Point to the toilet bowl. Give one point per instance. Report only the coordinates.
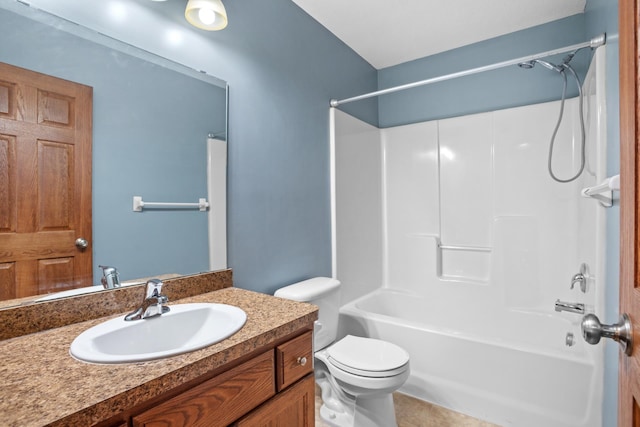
(368, 371)
(356, 374)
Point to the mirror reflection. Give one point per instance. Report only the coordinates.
(151, 121)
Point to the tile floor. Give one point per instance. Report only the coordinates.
(411, 412)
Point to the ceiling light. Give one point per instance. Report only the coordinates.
(207, 15)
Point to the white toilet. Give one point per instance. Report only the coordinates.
(357, 375)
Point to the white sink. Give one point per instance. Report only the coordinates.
(185, 328)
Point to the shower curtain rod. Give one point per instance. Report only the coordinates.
(593, 43)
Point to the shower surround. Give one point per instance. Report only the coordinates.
(452, 241)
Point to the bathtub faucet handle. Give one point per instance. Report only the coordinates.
(581, 278)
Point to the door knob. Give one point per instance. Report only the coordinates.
(593, 330)
(81, 243)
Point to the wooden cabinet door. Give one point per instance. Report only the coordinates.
(294, 407)
(45, 183)
(219, 401)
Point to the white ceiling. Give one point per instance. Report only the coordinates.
(390, 32)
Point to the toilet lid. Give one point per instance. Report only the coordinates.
(368, 356)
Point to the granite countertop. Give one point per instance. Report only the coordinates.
(43, 385)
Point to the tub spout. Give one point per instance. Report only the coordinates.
(571, 307)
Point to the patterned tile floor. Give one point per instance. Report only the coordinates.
(411, 412)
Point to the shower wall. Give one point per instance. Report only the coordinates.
(469, 201)
(358, 205)
(468, 188)
(466, 199)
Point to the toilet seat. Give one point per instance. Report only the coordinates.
(368, 357)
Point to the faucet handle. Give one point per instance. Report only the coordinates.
(110, 277)
(153, 288)
(154, 292)
(578, 278)
(581, 278)
(153, 302)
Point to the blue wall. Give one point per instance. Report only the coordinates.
(282, 69)
(492, 90)
(149, 130)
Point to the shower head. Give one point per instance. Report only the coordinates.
(530, 64)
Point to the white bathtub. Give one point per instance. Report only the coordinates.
(511, 368)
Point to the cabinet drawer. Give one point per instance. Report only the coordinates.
(294, 360)
(218, 401)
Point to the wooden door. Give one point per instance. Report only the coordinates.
(45, 183)
(629, 370)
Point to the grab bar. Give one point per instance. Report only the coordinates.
(138, 204)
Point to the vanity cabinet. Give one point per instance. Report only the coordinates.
(274, 388)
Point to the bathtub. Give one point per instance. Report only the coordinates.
(508, 367)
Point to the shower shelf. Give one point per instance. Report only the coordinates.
(139, 204)
(604, 191)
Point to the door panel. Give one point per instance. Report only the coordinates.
(8, 211)
(45, 183)
(55, 172)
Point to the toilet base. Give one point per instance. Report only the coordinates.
(336, 419)
(337, 407)
(368, 412)
(375, 412)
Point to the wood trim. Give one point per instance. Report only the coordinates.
(629, 241)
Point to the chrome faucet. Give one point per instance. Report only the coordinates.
(153, 303)
(110, 278)
(571, 307)
(581, 278)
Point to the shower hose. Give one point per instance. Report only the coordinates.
(566, 67)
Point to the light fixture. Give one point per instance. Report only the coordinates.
(207, 15)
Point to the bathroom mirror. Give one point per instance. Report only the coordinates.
(151, 121)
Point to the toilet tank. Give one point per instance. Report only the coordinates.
(325, 293)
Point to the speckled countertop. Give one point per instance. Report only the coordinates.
(41, 384)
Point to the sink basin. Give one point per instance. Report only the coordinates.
(187, 327)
